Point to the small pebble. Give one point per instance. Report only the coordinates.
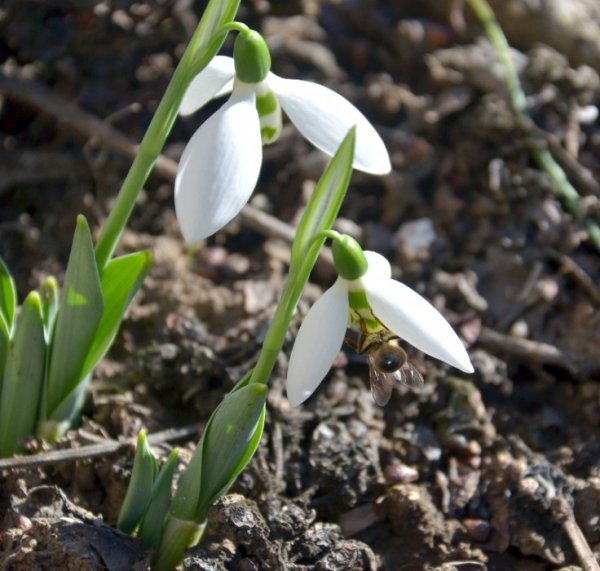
(398, 473)
(24, 523)
(478, 529)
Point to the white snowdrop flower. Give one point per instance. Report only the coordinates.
(221, 163)
(385, 311)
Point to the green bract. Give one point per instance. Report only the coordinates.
(228, 443)
(348, 257)
(251, 56)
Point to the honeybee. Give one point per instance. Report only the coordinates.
(388, 364)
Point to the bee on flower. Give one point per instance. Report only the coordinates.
(385, 311)
(220, 165)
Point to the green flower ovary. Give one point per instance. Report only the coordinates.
(360, 311)
(251, 56)
(269, 113)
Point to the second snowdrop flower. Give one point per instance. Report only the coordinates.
(221, 163)
(385, 311)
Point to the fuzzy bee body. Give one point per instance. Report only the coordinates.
(388, 363)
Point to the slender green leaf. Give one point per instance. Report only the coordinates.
(140, 486)
(23, 376)
(65, 414)
(8, 295)
(183, 507)
(152, 523)
(120, 280)
(4, 343)
(204, 45)
(49, 295)
(80, 311)
(326, 200)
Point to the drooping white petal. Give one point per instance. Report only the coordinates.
(324, 118)
(219, 167)
(214, 80)
(410, 316)
(379, 268)
(319, 339)
(378, 271)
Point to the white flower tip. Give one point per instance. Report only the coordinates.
(377, 164)
(370, 155)
(295, 396)
(410, 316)
(464, 363)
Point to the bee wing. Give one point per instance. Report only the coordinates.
(382, 385)
(409, 375)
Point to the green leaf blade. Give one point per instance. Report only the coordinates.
(23, 376)
(49, 294)
(79, 313)
(152, 523)
(326, 200)
(140, 486)
(8, 296)
(4, 344)
(120, 281)
(204, 45)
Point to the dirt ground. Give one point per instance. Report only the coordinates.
(498, 470)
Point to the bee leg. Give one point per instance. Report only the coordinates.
(351, 343)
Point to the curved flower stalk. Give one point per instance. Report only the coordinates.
(365, 295)
(221, 163)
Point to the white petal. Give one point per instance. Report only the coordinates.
(379, 267)
(410, 316)
(318, 342)
(379, 270)
(214, 80)
(219, 167)
(324, 118)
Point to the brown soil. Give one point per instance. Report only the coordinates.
(490, 471)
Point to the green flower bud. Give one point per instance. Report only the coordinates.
(348, 258)
(251, 56)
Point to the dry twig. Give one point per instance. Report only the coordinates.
(530, 350)
(95, 450)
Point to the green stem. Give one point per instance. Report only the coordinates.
(563, 188)
(177, 537)
(284, 313)
(149, 149)
(154, 139)
(314, 228)
(497, 38)
(235, 27)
